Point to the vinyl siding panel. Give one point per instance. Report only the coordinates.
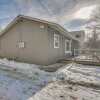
(9, 43)
(35, 39)
(55, 54)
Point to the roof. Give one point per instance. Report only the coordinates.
(52, 24)
(79, 32)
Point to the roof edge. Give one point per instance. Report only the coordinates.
(39, 20)
(10, 25)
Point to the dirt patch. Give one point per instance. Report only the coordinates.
(81, 83)
(52, 68)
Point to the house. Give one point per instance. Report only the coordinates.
(80, 36)
(33, 40)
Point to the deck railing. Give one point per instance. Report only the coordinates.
(87, 54)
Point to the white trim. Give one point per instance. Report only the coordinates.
(66, 51)
(55, 35)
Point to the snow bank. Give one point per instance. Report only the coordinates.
(79, 73)
(30, 71)
(74, 72)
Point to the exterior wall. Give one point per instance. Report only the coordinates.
(55, 54)
(35, 39)
(81, 39)
(74, 45)
(39, 43)
(8, 42)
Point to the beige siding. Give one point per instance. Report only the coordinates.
(55, 54)
(39, 43)
(8, 43)
(35, 39)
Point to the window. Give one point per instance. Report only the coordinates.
(67, 46)
(78, 36)
(56, 41)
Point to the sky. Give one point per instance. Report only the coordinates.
(71, 14)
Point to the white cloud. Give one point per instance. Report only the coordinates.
(84, 12)
(59, 11)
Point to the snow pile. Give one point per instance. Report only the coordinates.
(84, 57)
(79, 73)
(87, 57)
(29, 71)
(74, 72)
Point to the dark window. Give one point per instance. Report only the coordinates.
(78, 36)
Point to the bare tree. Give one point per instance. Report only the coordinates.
(93, 40)
(96, 17)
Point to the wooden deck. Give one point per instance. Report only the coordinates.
(84, 62)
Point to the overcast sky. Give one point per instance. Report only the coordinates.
(72, 14)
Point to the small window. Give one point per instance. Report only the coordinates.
(67, 46)
(78, 36)
(56, 41)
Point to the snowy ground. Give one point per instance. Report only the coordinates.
(15, 89)
(21, 81)
(88, 57)
(78, 73)
(60, 91)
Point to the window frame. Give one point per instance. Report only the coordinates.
(67, 51)
(55, 35)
